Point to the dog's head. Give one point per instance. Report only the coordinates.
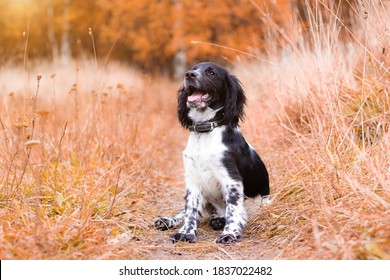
(208, 87)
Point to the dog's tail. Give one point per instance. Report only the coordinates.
(265, 200)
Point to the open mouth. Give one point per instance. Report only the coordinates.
(197, 96)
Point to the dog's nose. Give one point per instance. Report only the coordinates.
(190, 75)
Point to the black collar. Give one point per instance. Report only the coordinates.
(203, 127)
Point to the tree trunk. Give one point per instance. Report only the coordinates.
(180, 58)
(66, 52)
(50, 31)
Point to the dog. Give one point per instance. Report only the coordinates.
(221, 168)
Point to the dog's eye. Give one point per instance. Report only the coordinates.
(210, 72)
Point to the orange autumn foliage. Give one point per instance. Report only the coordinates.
(149, 34)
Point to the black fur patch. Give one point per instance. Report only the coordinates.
(233, 195)
(244, 164)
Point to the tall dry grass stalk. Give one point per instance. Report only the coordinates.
(328, 143)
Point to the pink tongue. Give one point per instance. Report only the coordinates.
(196, 96)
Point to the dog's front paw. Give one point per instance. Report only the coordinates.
(178, 236)
(217, 223)
(163, 223)
(229, 238)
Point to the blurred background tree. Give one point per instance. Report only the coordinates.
(154, 36)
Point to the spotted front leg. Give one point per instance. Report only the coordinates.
(235, 217)
(192, 214)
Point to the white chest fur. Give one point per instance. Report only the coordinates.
(203, 162)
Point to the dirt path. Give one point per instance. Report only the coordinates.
(159, 245)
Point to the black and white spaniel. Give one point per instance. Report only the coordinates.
(221, 168)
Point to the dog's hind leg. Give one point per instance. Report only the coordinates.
(165, 223)
(217, 219)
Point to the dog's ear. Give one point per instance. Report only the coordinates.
(182, 109)
(235, 101)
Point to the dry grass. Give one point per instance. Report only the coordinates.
(89, 158)
(328, 143)
(78, 161)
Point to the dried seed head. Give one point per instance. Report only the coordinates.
(20, 125)
(73, 88)
(90, 31)
(39, 76)
(43, 112)
(30, 143)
